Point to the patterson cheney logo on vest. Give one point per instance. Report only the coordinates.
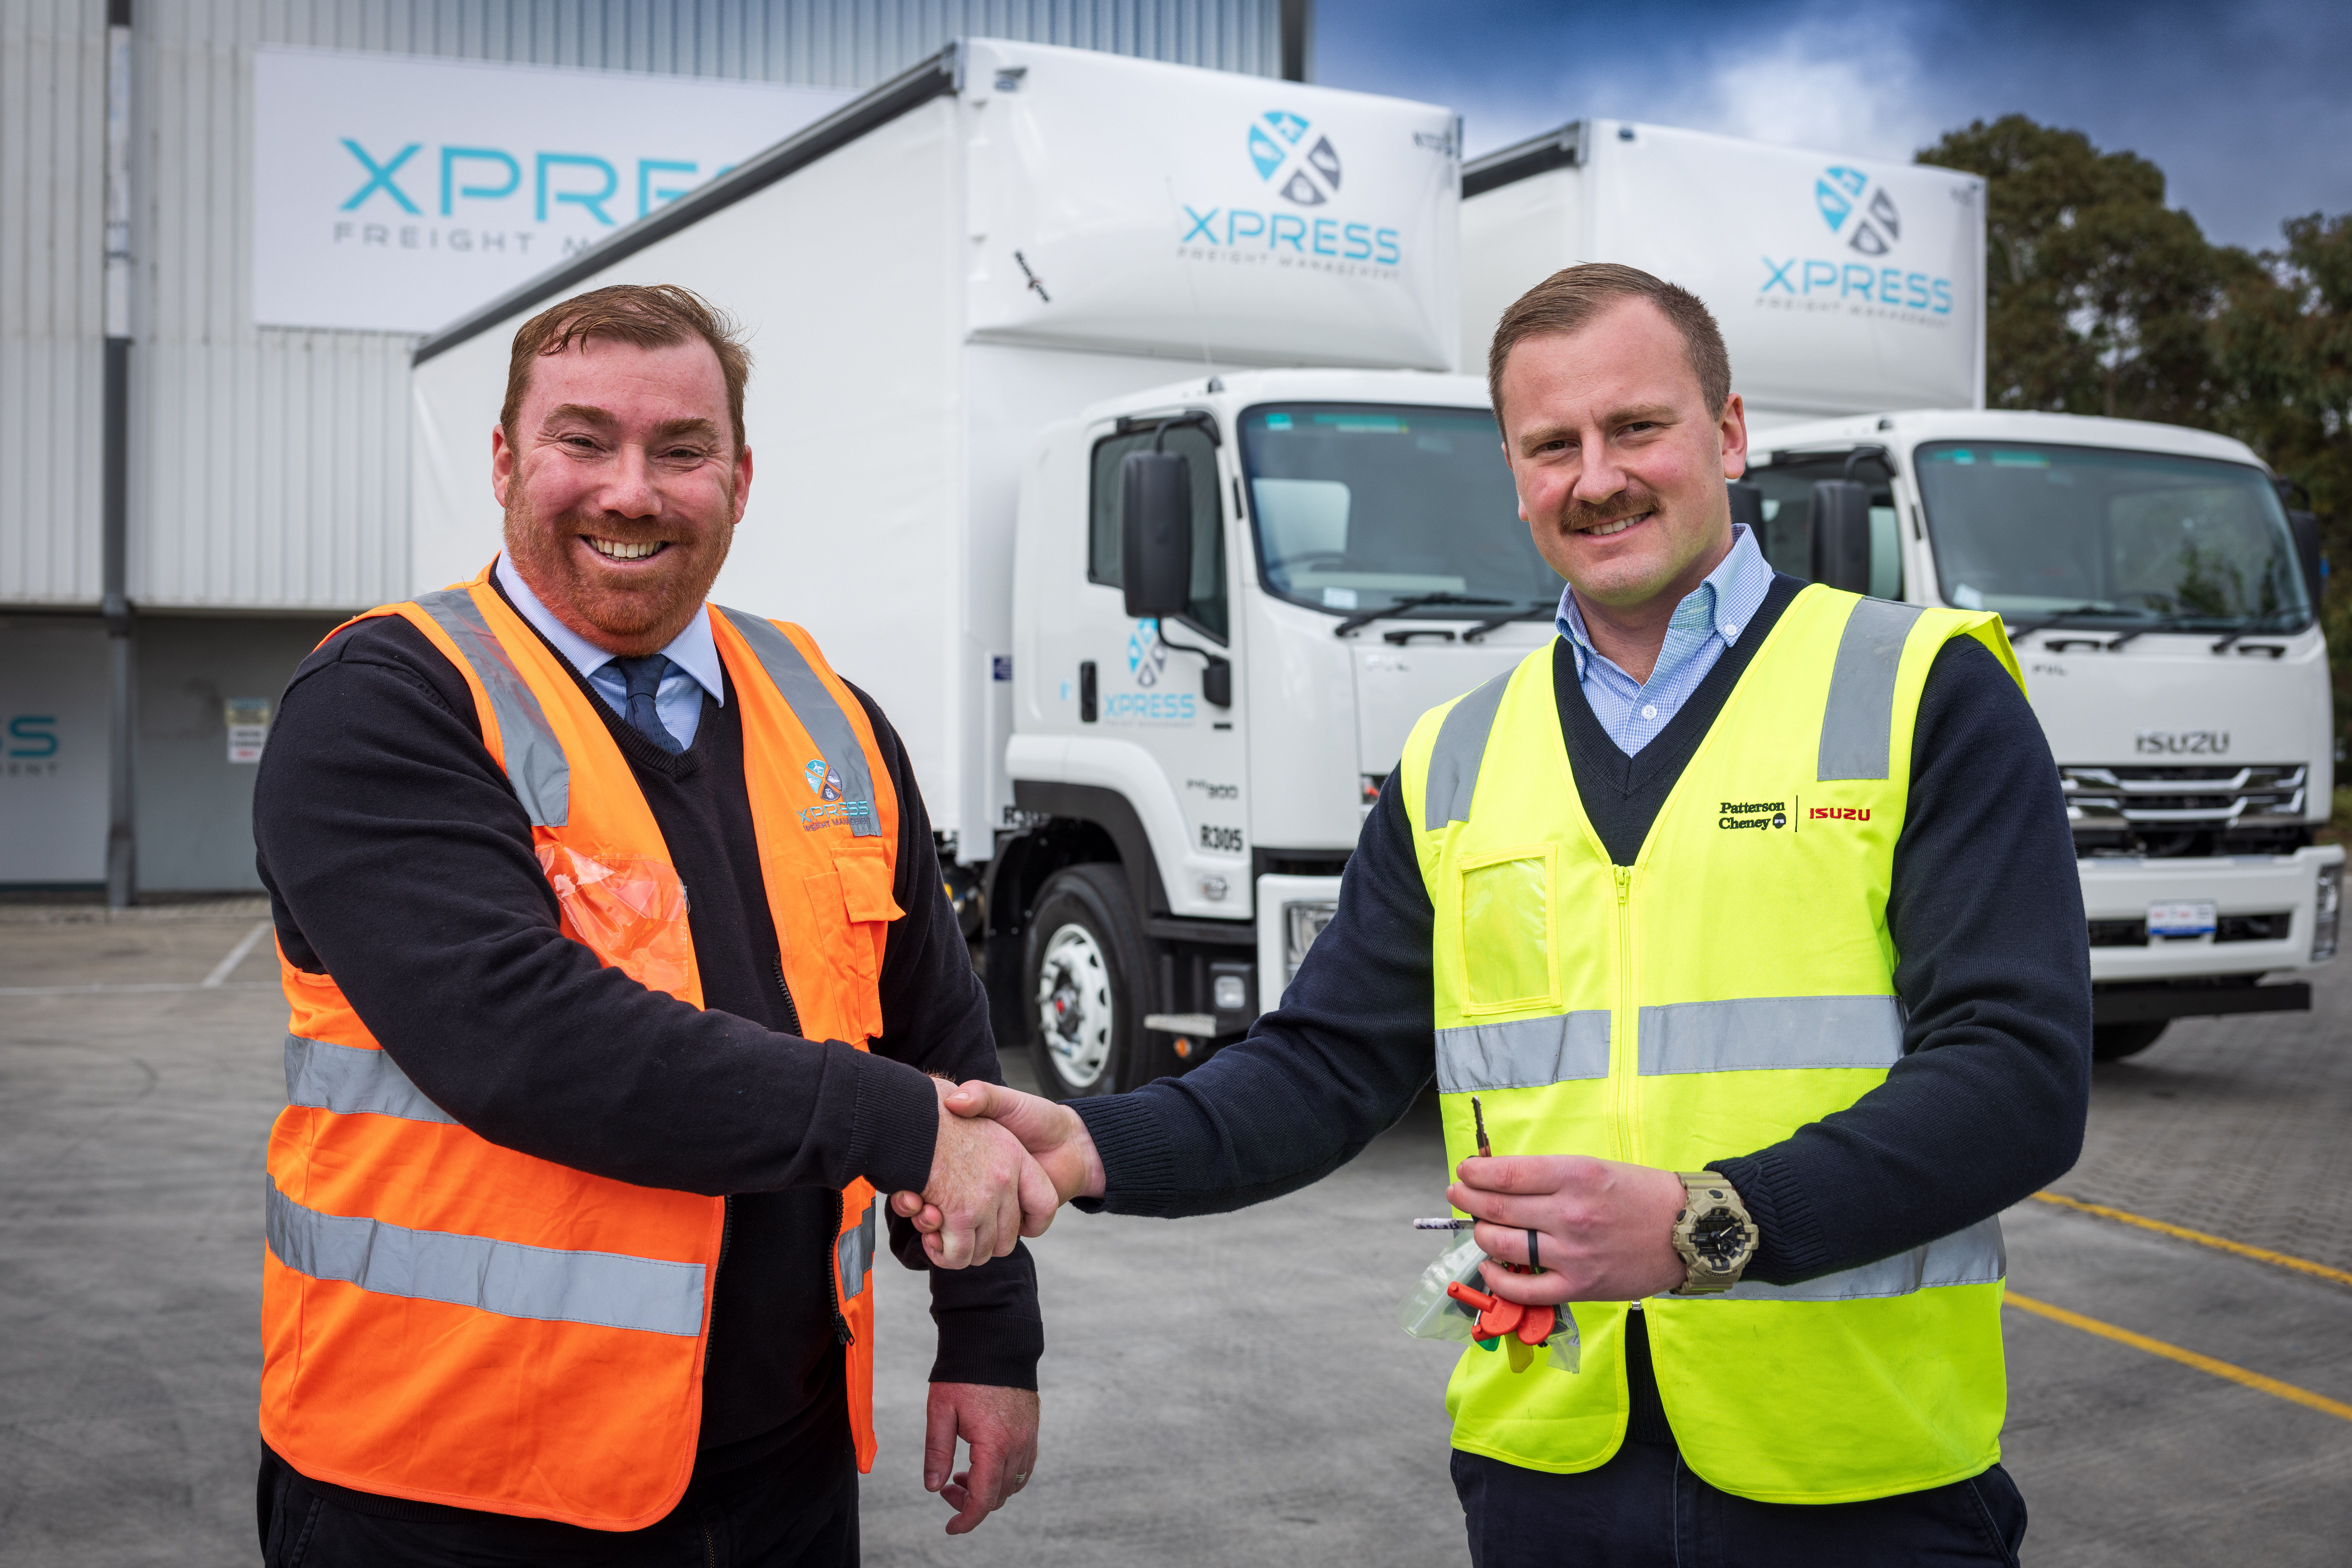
(1861, 215)
(1792, 813)
(1297, 163)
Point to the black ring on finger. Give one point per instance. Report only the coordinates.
(1532, 1263)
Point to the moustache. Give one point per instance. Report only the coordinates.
(1627, 502)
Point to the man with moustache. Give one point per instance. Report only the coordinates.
(1745, 910)
(620, 979)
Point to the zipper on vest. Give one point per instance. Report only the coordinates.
(792, 1008)
(1623, 1027)
(833, 1270)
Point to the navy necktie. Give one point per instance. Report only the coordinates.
(645, 678)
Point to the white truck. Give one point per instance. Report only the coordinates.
(983, 300)
(2159, 592)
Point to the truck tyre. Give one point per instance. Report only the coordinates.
(2113, 1042)
(1084, 983)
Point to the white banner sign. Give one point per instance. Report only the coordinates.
(394, 192)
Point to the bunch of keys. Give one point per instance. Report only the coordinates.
(1497, 1317)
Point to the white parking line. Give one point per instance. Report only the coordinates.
(227, 966)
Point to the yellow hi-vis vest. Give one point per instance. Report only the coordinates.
(1731, 986)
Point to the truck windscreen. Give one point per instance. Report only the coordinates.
(1359, 508)
(2091, 536)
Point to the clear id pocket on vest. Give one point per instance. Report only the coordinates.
(1508, 957)
(629, 909)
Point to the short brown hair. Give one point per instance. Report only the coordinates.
(1568, 299)
(648, 315)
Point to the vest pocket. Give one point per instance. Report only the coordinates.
(1509, 959)
(629, 909)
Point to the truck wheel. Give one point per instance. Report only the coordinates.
(2113, 1042)
(1086, 975)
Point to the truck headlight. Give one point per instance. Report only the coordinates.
(2328, 912)
(1301, 924)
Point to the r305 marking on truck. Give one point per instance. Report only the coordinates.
(2181, 742)
(1224, 840)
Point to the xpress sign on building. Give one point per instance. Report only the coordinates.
(395, 194)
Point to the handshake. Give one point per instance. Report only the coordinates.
(1004, 1164)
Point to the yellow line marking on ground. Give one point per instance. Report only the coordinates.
(2221, 1242)
(2237, 1375)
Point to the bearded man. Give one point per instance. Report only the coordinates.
(620, 978)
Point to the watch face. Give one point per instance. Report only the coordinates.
(1718, 1237)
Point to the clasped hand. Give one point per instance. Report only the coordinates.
(1006, 1161)
(1604, 1229)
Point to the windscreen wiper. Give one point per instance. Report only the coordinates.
(2018, 633)
(1535, 610)
(1410, 601)
(2161, 624)
(2252, 624)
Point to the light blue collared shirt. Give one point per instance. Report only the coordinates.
(1709, 620)
(693, 654)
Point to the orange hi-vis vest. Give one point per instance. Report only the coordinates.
(452, 1321)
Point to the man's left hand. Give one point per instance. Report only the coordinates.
(1604, 1229)
(1001, 1425)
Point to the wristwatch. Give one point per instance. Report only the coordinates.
(1713, 1233)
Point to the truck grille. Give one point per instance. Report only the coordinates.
(2185, 810)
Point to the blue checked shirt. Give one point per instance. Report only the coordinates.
(1709, 620)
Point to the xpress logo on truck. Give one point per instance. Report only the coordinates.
(1866, 222)
(1297, 163)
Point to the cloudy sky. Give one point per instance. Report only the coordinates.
(2246, 107)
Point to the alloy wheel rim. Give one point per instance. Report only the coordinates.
(1075, 1005)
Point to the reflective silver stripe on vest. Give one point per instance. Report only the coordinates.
(1461, 747)
(1760, 1033)
(1526, 1053)
(534, 758)
(812, 703)
(853, 1255)
(1858, 726)
(352, 1081)
(605, 1288)
(1975, 1256)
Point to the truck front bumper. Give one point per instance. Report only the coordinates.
(2121, 889)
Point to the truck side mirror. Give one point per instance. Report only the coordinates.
(1155, 527)
(2306, 529)
(1748, 506)
(1841, 534)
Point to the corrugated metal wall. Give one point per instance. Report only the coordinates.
(269, 464)
(52, 296)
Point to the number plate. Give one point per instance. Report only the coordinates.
(2181, 919)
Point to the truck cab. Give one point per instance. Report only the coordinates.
(1188, 785)
(2160, 599)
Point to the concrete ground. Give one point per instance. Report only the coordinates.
(1216, 1391)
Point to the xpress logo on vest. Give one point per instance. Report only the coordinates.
(831, 808)
(1298, 164)
(1860, 213)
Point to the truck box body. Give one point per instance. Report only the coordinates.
(995, 241)
(1842, 285)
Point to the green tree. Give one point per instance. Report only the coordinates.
(2099, 298)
